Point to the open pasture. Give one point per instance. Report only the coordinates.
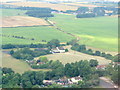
(17, 21)
(74, 56)
(10, 40)
(38, 33)
(12, 12)
(99, 32)
(18, 66)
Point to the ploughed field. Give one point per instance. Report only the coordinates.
(44, 4)
(18, 21)
(59, 6)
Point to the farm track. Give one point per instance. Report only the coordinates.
(59, 29)
(78, 38)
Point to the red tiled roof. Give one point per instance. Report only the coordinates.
(101, 66)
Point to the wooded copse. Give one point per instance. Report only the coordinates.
(85, 12)
(41, 12)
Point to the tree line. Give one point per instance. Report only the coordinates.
(50, 44)
(18, 37)
(83, 49)
(39, 12)
(28, 54)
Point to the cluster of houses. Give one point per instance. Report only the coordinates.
(65, 81)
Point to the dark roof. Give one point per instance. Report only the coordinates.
(61, 48)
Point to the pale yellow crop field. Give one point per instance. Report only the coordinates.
(16, 21)
(43, 4)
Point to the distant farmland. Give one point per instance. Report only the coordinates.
(43, 4)
(12, 12)
(80, 5)
(17, 21)
(38, 33)
(100, 32)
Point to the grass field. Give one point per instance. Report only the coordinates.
(12, 12)
(17, 65)
(100, 32)
(73, 56)
(38, 33)
(10, 40)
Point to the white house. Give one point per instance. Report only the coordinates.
(58, 50)
(75, 80)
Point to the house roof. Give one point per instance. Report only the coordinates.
(61, 48)
(101, 66)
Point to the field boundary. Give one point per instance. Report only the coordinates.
(59, 29)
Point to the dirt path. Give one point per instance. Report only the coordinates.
(61, 30)
(78, 38)
(107, 83)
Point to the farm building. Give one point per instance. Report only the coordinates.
(48, 82)
(75, 80)
(58, 50)
(101, 66)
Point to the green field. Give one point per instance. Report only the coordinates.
(100, 32)
(38, 33)
(12, 12)
(18, 66)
